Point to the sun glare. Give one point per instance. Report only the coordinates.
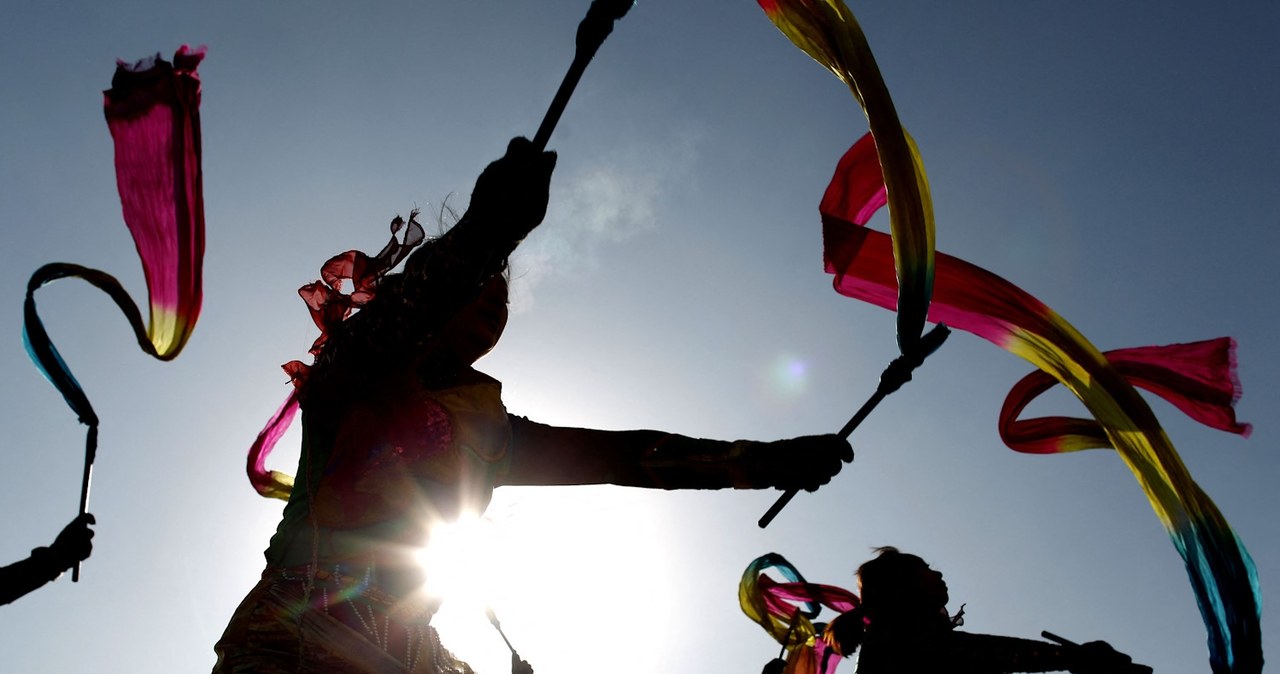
(568, 572)
(460, 560)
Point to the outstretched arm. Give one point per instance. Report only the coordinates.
(1011, 654)
(45, 564)
(553, 455)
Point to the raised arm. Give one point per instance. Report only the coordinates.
(509, 201)
(553, 455)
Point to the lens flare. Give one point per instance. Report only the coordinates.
(788, 375)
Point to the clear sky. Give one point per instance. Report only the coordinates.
(1118, 160)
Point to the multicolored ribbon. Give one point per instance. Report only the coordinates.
(1198, 378)
(896, 271)
(827, 31)
(153, 112)
(786, 611)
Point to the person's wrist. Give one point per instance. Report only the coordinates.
(50, 560)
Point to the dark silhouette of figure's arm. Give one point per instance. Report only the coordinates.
(509, 200)
(1011, 654)
(45, 564)
(553, 455)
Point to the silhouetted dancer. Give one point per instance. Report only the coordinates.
(902, 627)
(72, 546)
(400, 432)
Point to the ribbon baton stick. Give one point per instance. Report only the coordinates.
(90, 453)
(894, 376)
(593, 30)
(518, 666)
(493, 620)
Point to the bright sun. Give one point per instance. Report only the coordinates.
(569, 572)
(462, 559)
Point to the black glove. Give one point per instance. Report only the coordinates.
(74, 543)
(511, 194)
(519, 666)
(1098, 657)
(807, 462)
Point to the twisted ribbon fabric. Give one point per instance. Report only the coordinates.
(900, 271)
(827, 31)
(786, 611)
(1198, 378)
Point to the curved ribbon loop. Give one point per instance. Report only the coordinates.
(1198, 378)
(786, 611)
(152, 110)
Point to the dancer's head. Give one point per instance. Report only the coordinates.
(899, 583)
(476, 328)
(898, 591)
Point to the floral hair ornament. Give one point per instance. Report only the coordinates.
(347, 282)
